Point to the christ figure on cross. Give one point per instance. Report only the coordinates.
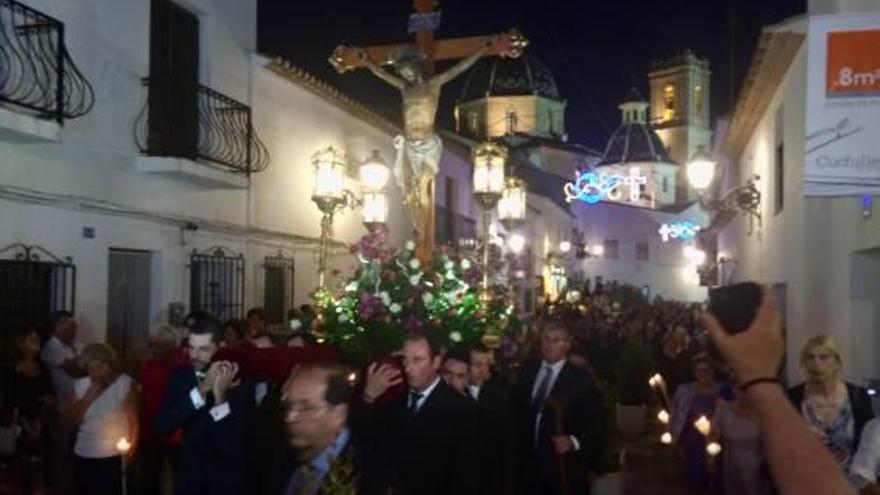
(419, 145)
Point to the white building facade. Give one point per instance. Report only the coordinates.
(821, 255)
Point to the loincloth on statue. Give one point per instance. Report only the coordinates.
(423, 157)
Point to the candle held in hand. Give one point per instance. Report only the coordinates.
(713, 449)
(703, 425)
(123, 445)
(663, 416)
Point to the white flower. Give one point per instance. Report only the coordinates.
(415, 263)
(415, 279)
(385, 297)
(343, 318)
(295, 325)
(449, 265)
(394, 308)
(427, 298)
(410, 245)
(455, 337)
(351, 287)
(465, 264)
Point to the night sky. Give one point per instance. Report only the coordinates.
(595, 50)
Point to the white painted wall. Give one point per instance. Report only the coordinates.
(812, 246)
(666, 272)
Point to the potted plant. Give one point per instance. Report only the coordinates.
(633, 390)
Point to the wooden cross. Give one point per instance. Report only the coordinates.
(421, 96)
(346, 58)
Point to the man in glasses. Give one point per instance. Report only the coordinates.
(316, 407)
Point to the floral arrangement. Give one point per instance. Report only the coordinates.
(393, 292)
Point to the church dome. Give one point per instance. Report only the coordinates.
(634, 140)
(497, 76)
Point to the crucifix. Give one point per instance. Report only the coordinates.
(413, 75)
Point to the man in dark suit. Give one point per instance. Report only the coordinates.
(427, 436)
(559, 419)
(202, 400)
(496, 424)
(315, 401)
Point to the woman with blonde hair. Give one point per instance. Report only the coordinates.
(105, 411)
(834, 410)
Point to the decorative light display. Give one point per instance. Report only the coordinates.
(680, 230)
(592, 187)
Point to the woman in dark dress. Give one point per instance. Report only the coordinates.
(32, 400)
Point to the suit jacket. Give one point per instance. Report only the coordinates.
(269, 455)
(859, 401)
(582, 418)
(499, 442)
(432, 452)
(210, 458)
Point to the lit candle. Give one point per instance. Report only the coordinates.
(703, 425)
(663, 416)
(352, 377)
(123, 445)
(666, 438)
(713, 449)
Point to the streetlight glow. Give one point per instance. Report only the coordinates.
(516, 243)
(374, 173)
(329, 175)
(700, 170)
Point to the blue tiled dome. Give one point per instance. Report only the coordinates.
(497, 76)
(634, 140)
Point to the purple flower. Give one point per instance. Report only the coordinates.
(370, 306)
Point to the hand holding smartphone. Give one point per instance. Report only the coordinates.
(735, 306)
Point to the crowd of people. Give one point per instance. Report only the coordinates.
(224, 408)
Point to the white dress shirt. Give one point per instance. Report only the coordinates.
(424, 394)
(474, 391)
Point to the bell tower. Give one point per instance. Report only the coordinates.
(680, 111)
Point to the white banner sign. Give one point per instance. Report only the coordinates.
(842, 143)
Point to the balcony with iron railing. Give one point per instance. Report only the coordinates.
(196, 123)
(38, 79)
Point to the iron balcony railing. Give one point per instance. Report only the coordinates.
(37, 75)
(196, 122)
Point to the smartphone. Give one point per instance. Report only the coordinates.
(735, 306)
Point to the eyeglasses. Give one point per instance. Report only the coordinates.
(303, 408)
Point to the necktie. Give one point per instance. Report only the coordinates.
(543, 389)
(414, 398)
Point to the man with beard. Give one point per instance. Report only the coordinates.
(202, 400)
